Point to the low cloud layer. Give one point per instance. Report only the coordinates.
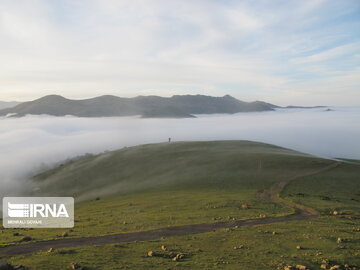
(33, 143)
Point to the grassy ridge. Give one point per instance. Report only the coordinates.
(219, 165)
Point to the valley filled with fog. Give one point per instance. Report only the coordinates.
(32, 144)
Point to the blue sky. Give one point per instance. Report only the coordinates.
(285, 52)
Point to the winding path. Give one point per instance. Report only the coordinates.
(272, 195)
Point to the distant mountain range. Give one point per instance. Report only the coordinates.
(185, 106)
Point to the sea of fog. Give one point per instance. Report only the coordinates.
(33, 143)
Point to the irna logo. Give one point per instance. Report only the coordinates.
(19, 210)
(38, 212)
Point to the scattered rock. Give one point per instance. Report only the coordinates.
(50, 250)
(297, 267)
(298, 247)
(323, 266)
(342, 267)
(76, 266)
(178, 257)
(245, 206)
(172, 255)
(339, 240)
(164, 248)
(337, 213)
(274, 233)
(239, 247)
(64, 234)
(151, 253)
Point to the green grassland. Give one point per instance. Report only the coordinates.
(215, 250)
(160, 185)
(150, 210)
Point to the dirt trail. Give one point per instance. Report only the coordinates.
(272, 195)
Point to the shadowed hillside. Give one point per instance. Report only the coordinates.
(146, 106)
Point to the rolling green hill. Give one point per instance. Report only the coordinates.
(171, 184)
(218, 165)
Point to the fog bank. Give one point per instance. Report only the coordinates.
(32, 143)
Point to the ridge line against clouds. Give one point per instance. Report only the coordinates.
(284, 52)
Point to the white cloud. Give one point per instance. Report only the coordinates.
(33, 143)
(89, 48)
(241, 20)
(329, 54)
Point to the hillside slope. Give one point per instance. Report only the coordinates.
(218, 165)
